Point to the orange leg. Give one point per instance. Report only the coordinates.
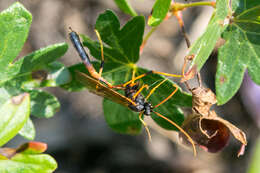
(145, 126)
(140, 90)
(152, 72)
(179, 128)
(152, 91)
(167, 98)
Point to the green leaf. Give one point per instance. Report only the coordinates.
(33, 62)
(205, 44)
(52, 75)
(28, 130)
(171, 112)
(129, 119)
(170, 108)
(14, 114)
(160, 10)
(43, 104)
(74, 85)
(118, 39)
(118, 69)
(14, 27)
(125, 7)
(254, 166)
(240, 52)
(28, 163)
(121, 119)
(58, 75)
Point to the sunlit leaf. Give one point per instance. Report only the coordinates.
(28, 130)
(240, 52)
(14, 27)
(14, 114)
(160, 10)
(121, 52)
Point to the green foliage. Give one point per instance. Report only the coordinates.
(38, 69)
(121, 119)
(160, 10)
(19, 83)
(14, 27)
(205, 44)
(125, 7)
(14, 114)
(40, 98)
(121, 52)
(119, 39)
(28, 130)
(26, 159)
(240, 52)
(28, 163)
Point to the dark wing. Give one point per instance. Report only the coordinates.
(98, 88)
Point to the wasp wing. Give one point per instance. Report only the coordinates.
(99, 89)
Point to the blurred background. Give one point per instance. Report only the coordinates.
(78, 136)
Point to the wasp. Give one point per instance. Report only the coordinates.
(132, 98)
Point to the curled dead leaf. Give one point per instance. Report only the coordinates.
(211, 132)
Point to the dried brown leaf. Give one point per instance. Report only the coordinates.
(212, 132)
(202, 100)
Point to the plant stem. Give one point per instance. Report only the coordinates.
(181, 6)
(147, 36)
(194, 4)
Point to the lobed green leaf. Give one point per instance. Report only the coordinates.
(118, 39)
(240, 52)
(121, 52)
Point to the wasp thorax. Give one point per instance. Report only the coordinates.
(140, 103)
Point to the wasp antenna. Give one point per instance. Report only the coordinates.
(179, 128)
(145, 126)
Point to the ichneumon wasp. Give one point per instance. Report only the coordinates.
(132, 98)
